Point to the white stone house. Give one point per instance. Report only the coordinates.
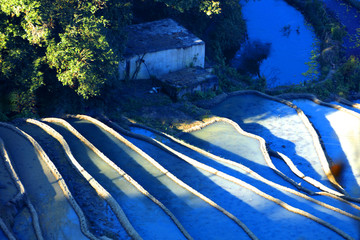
(160, 47)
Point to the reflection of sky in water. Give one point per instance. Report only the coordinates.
(148, 133)
(222, 139)
(279, 125)
(340, 133)
(198, 217)
(254, 210)
(290, 49)
(141, 211)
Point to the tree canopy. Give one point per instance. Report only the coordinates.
(208, 7)
(75, 38)
(47, 46)
(76, 42)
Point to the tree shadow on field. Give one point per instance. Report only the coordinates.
(259, 109)
(235, 198)
(332, 144)
(235, 155)
(193, 213)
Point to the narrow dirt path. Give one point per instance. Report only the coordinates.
(8, 189)
(121, 172)
(235, 153)
(8, 192)
(353, 106)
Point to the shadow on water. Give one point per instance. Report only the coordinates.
(262, 169)
(235, 155)
(140, 210)
(199, 218)
(36, 179)
(283, 146)
(340, 154)
(93, 207)
(176, 165)
(318, 116)
(256, 115)
(236, 199)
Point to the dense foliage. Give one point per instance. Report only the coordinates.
(76, 43)
(50, 50)
(219, 23)
(66, 52)
(355, 3)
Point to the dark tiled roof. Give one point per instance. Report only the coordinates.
(158, 35)
(188, 77)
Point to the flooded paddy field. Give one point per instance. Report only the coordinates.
(260, 162)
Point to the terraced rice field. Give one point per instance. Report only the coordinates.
(262, 169)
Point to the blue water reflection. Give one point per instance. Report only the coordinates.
(292, 40)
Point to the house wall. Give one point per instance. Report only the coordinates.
(163, 62)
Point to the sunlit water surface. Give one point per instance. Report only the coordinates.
(224, 140)
(340, 133)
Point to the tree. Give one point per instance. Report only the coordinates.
(206, 6)
(20, 67)
(252, 55)
(219, 23)
(52, 48)
(80, 41)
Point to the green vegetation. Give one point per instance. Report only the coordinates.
(355, 3)
(63, 54)
(46, 44)
(346, 80)
(219, 23)
(339, 76)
